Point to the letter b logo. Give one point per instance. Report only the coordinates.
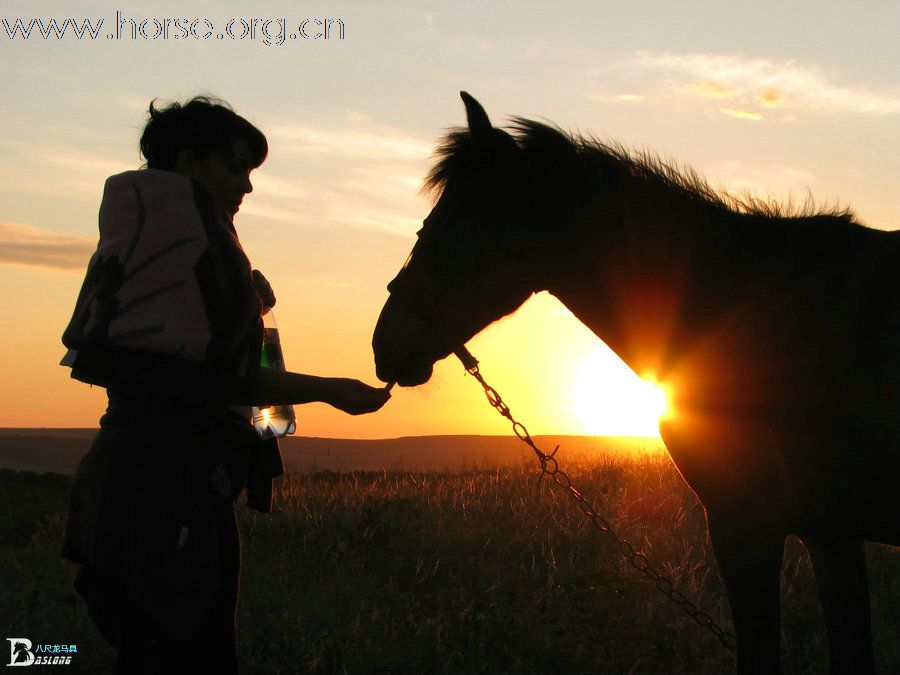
(20, 652)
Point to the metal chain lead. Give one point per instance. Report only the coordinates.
(550, 467)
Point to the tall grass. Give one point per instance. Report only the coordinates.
(496, 572)
(492, 571)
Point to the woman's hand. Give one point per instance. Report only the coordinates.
(263, 289)
(279, 387)
(355, 397)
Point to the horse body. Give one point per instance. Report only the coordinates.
(777, 336)
(778, 352)
(776, 346)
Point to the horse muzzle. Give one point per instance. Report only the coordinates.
(400, 344)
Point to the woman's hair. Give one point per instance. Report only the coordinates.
(204, 125)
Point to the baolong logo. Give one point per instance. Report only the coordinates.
(20, 652)
(23, 653)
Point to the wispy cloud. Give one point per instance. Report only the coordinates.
(347, 172)
(359, 139)
(741, 114)
(51, 168)
(764, 83)
(29, 246)
(770, 98)
(711, 89)
(772, 181)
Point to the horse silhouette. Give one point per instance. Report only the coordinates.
(21, 653)
(777, 332)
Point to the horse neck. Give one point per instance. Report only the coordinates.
(647, 271)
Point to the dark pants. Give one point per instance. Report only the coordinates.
(152, 524)
(144, 645)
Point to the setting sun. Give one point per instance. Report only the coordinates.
(610, 400)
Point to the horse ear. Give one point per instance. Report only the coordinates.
(479, 124)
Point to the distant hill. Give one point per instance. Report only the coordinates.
(59, 450)
(43, 450)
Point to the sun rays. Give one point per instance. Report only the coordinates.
(610, 400)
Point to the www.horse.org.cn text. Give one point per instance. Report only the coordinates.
(267, 31)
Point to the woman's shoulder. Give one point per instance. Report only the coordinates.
(141, 193)
(147, 178)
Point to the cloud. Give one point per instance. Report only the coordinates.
(344, 172)
(30, 246)
(778, 182)
(741, 114)
(712, 89)
(360, 141)
(764, 82)
(58, 169)
(770, 98)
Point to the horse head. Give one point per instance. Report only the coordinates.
(475, 259)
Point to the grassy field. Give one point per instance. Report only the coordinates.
(478, 572)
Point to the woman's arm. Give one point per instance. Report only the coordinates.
(275, 387)
(169, 376)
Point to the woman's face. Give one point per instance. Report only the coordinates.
(225, 175)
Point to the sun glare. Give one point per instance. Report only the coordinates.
(610, 400)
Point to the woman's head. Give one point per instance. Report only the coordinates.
(205, 140)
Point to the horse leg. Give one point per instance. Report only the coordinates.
(750, 563)
(840, 566)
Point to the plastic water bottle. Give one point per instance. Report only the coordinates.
(276, 420)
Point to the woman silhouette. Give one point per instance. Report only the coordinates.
(169, 322)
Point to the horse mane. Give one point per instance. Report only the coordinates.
(574, 157)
